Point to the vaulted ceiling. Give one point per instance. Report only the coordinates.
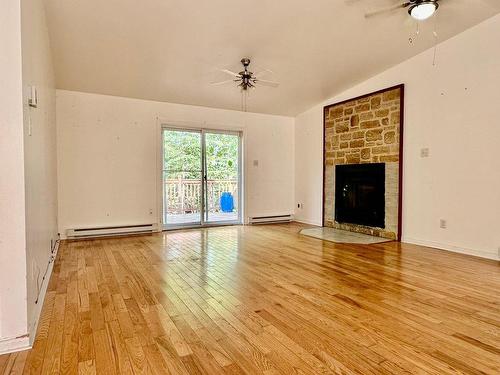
(171, 50)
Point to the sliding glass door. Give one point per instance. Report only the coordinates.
(201, 177)
(182, 177)
(222, 175)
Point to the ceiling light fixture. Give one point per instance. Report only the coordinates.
(423, 9)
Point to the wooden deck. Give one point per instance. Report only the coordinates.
(175, 219)
(264, 300)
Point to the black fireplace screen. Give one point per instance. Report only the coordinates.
(360, 194)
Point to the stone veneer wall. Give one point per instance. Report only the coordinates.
(364, 130)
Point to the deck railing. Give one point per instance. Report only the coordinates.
(184, 196)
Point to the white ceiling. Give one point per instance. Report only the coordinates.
(170, 50)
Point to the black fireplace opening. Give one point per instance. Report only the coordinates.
(360, 194)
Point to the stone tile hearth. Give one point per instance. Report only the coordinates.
(341, 236)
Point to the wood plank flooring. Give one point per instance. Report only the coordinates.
(264, 300)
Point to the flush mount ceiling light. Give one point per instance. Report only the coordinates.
(422, 10)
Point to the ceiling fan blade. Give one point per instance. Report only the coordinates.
(222, 82)
(230, 73)
(262, 72)
(263, 82)
(387, 10)
(492, 3)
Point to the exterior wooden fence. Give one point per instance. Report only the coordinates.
(184, 196)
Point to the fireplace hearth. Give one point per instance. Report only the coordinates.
(360, 194)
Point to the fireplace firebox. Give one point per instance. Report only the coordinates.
(360, 194)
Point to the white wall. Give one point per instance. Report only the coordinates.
(452, 109)
(308, 171)
(108, 149)
(13, 321)
(40, 164)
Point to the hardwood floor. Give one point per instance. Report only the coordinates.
(264, 300)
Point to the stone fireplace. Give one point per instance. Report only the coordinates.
(362, 156)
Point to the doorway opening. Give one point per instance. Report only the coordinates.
(201, 177)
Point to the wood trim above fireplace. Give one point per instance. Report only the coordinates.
(401, 87)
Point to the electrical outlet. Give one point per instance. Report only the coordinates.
(151, 211)
(424, 152)
(442, 224)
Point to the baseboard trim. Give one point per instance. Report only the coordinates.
(452, 248)
(14, 344)
(41, 298)
(309, 222)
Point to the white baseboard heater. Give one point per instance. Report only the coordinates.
(269, 219)
(111, 231)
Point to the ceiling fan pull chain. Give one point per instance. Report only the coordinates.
(244, 96)
(435, 40)
(412, 39)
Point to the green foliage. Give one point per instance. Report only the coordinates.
(183, 155)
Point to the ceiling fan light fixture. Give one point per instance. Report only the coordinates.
(423, 9)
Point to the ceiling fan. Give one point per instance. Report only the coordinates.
(247, 79)
(418, 9)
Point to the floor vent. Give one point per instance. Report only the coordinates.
(270, 219)
(111, 231)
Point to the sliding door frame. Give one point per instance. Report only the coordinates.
(165, 125)
(205, 175)
(198, 223)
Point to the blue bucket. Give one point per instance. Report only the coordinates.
(226, 202)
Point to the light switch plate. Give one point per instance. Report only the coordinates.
(424, 152)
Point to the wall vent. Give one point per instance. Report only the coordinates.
(269, 219)
(111, 231)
